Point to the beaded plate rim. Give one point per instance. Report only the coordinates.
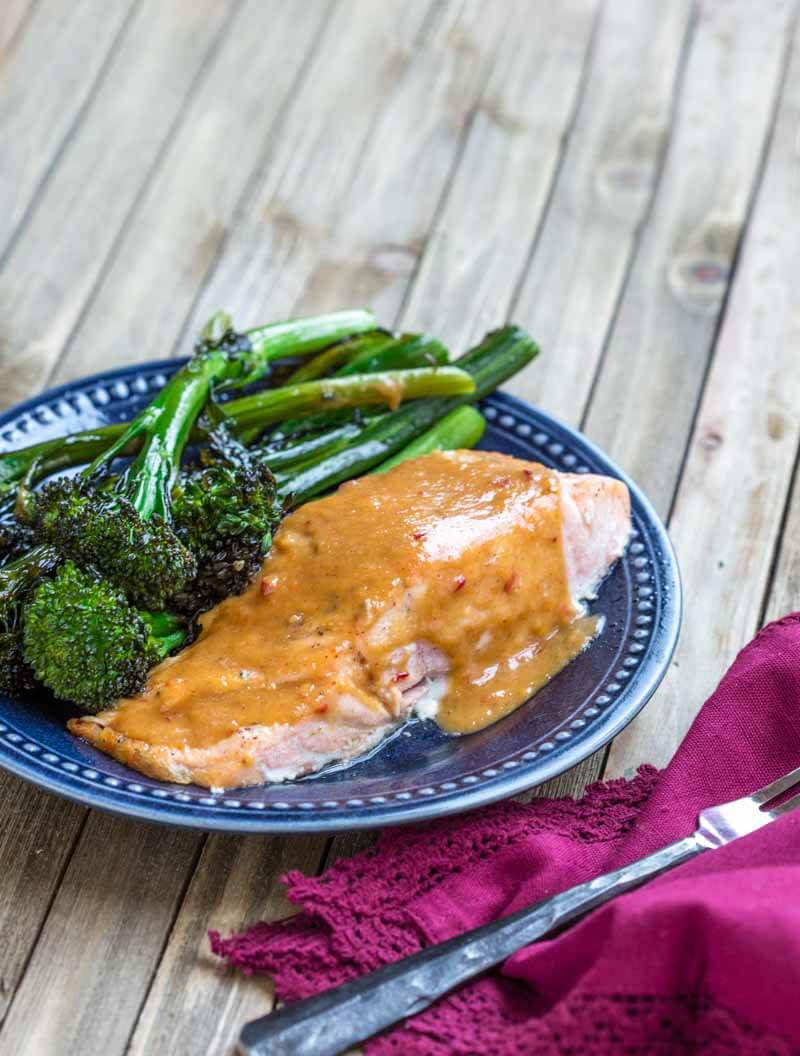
(650, 637)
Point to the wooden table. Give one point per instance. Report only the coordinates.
(622, 179)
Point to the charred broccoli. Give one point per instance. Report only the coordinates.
(114, 534)
(87, 644)
(225, 513)
(17, 582)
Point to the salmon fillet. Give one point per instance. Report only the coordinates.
(443, 591)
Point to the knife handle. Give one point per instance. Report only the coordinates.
(339, 1018)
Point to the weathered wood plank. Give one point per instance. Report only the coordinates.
(41, 101)
(609, 172)
(33, 852)
(478, 247)
(83, 985)
(661, 341)
(784, 591)
(52, 268)
(315, 258)
(181, 224)
(728, 510)
(308, 241)
(195, 1004)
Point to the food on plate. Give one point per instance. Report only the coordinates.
(450, 585)
(104, 572)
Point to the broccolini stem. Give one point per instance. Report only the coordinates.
(389, 387)
(168, 630)
(164, 426)
(461, 428)
(500, 354)
(407, 352)
(296, 337)
(332, 359)
(404, 353)
(313, 447)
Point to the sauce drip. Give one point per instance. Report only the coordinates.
(461, 551)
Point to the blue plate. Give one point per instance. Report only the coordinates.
(419, 772)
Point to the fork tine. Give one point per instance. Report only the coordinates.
(768, 792)
(790, 804)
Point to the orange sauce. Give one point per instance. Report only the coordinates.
(460, 550)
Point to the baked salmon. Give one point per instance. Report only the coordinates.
(452, 586)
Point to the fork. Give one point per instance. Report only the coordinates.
(345, 1015)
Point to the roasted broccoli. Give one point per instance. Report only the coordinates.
(17, 582)
(106, 530)
(225, 513)
(87, 644)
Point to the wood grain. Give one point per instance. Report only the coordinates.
(341, 209)
(82, 988)
(480, 242)
(41, 102)
(70, 235)
(662, 338)
(609, 173)
(180, 225)
(783, 594)
(195, 1003)
(728, 510)
(33, 853)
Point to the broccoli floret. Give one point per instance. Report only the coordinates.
(102, 529)
(225, 513)
(88, 645)
(18, 580)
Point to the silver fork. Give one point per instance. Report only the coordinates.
(345, 1015)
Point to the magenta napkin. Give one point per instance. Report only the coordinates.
(704, 959)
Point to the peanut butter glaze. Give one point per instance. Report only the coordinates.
(461, 551)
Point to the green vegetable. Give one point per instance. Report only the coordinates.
(18, 580)
(293, 452)
(407, 352)
(225, 513)
(125, 531)
(246, 358)
(461, 428)
(331, 359)
(403, 353)
(389, 387)
(500, 354)
(16, 539)
(87, 644)
(296, 337)
(38, 461)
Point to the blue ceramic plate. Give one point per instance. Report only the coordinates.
(418, 772)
